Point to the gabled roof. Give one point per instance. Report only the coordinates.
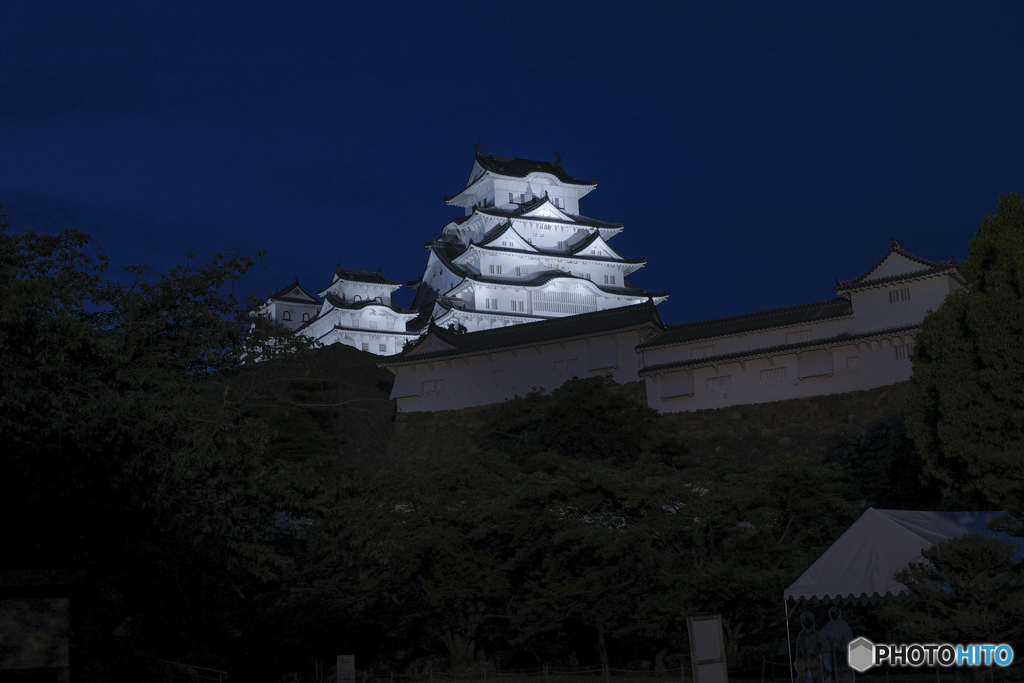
(448, 344)
(897, 265)
(294, 294)
(543, 277)
(372, 277)
(523, 210)
(500, 230)
(337, 302)
(596, 237)
(519, 168)
(751, 322)
(843, 338)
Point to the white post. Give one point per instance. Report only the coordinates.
(789, 645)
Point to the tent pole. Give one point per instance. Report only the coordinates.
(789, 645)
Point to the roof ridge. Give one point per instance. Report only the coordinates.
(756, 314)
(894, 248)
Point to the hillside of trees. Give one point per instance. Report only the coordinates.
(230, 500)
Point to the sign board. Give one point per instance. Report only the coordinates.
(707, 649)
(346, 668)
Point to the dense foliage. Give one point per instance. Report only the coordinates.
(218, 496)
(140, 448)
(966, 404)
(575, 533)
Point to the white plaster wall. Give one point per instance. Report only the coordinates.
(472, 382)
(747, 342)
(873, 310)
(876, 365)
(277, 310)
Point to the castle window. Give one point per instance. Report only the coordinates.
(382, 348)
(357, 298)
(495, 269)
(287, 315)
(609, 279)
(563, 244)
(853, 361)
(564, 366)
(714, 382)
(366, 346)
(898, 295)
(903, 351)
(511, 199)
(491, 304)
(519, 306)
(498, 375)
(797, 337)
(373, 323)
(305, 317)
(773, 373)
(432, 385)
(521, 270)
(702, 352)
(391, 325)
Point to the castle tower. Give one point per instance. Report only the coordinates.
(523, 252)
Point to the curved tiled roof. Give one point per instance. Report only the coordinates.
(337, 302)
(782, 348)
(544, 277)
(496, 232)
(543, 331)
(282, 295)
(374, 277)
(519, 168)
(930, 268)
(522, 209)
(751, 322)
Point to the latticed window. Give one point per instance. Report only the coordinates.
(797, 337)
(564, 302)
(702, 352)
(723, 381)
(897, 295)
(431, 385)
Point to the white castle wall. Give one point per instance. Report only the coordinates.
(495, 377)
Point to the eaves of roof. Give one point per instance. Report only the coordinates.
(293, 300)
(751, 322)
(356, 305)
(939, 269)
(894, 248)
(373, 277)
(772, 350)
(574, 219)
(533, 333)
(281, 294)
(511, 167)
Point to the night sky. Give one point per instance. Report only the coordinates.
(755, 151)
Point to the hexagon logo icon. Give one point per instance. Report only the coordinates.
(861, 655)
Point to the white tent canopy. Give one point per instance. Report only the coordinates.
(862, 563)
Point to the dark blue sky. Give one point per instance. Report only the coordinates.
(755, 151)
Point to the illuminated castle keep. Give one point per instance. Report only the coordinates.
(521, 253)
